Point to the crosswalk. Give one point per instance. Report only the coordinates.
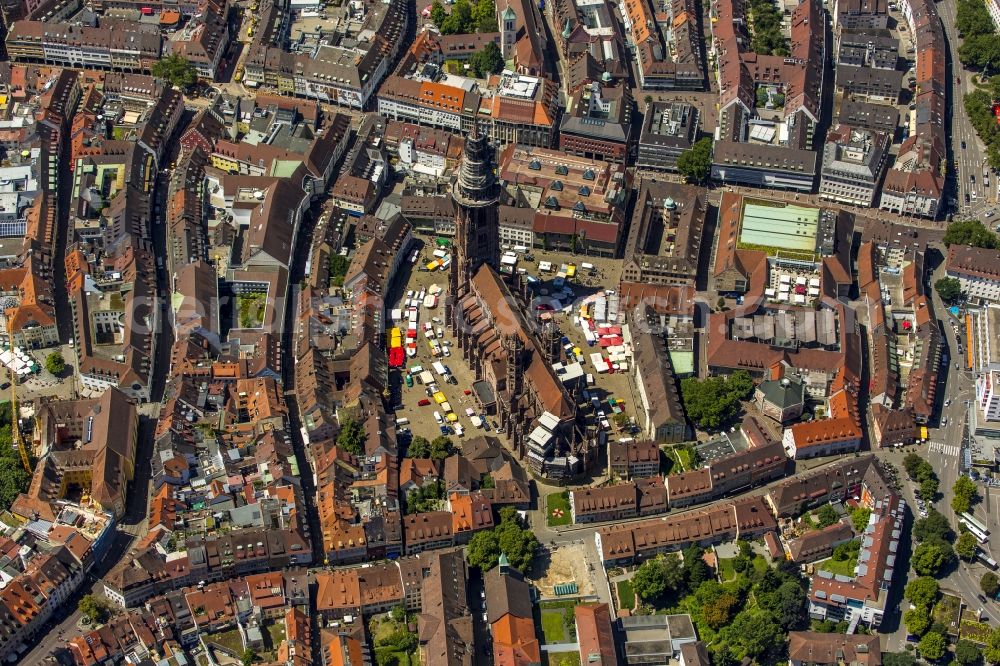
(944, 449)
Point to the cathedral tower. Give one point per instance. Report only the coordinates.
(476, 194)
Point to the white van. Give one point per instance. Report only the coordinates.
(402, 421)
(437, 418)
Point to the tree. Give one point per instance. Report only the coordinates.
(94, 609)
(922, 591)
(425, 498)
(438, 13)
(398, 613)
(767, 37)
(55, 363)
(648, 99)
(972, 19)
(787, 604)
(917, 468)
(981, 52)
(992, 650)
(418, 447)
(753, 633)
(654, 577)
(934, 527)
(967, 653)
(989, 584)
(338, 269)
(465, 19)
(928, 489)
(351, 437)
(695, 163)
(713, 402)
(826, 516)
(969, 232)
(917, 620)
(931, 557)
(965, 494)
(932, 646)
(966, 546)
(484, 16)
(948, 288)
(488, 60)
(441, 447)
(248, 657)
(719, 611)
(696, 571)
(483, 550)
(511, 538)
(14, 479)
(860, 517)
(177, 70)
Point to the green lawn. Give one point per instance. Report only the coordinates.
(626, 595)
(251, 309)
(684, 458)
(841, 567)
(553, 627)
(726, 568)
(564, 658)
(276, 630)
(230, 640)
(558, 501)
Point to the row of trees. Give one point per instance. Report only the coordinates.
(921, 471)
(439, 448)
(934, 552)
(980, 47)
(768, 37)
(979, 107)
(923, 593)
(964, 494)
(713, 402)
(14, 479)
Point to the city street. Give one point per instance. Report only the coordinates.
(970, 160)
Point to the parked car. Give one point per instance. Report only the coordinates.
(424, 402)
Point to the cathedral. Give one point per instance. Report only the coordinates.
(510, 352)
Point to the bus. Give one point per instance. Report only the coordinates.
(986, 559)
(971, 520)
(975, 532)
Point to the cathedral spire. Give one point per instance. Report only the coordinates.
(476, 194)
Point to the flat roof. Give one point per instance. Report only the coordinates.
(784, 226)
